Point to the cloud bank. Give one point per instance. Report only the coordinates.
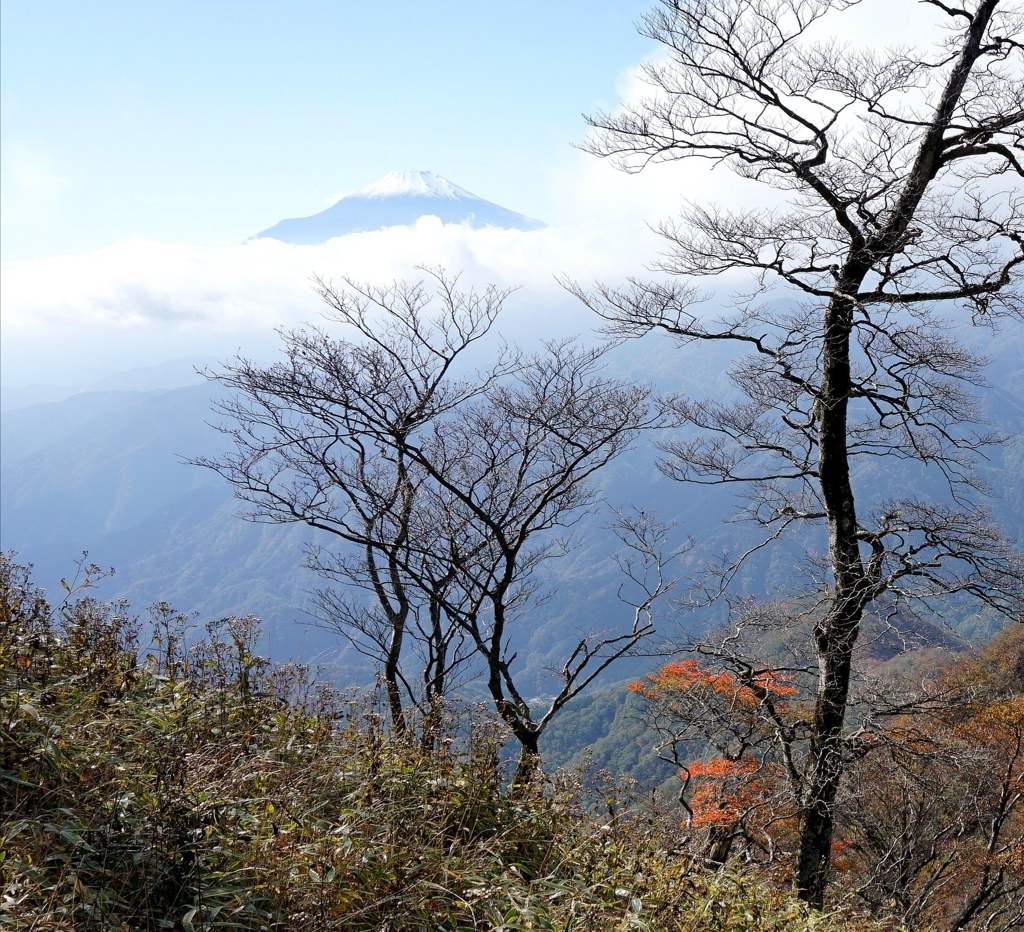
(70, 319)
(148, 297)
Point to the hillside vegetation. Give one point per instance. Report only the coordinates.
(201, 788)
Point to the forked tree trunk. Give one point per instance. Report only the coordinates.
(836, 634)
(720, 98)
(434, 678)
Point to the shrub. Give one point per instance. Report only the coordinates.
(201, 788)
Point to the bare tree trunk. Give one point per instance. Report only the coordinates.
(391, 686)
(825, 765)
(836, 634)
(526, 766)
(434, 676)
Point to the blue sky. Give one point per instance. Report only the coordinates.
(143, 142)
(201, 122)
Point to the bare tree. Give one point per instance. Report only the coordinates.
(932, 824)
(323, 438)
(447, 491)
(899, 174)
(933, 829)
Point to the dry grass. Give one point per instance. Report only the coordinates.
(201, 789)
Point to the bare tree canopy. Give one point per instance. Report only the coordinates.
(899, 211)
(442, 487)
(322, 438)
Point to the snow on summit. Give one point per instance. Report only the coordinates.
(399, 198)
(414, 184)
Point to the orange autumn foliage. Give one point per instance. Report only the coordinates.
(733, 791)
(742, 792)
(930, 823)
(720, 769)
(687, 675)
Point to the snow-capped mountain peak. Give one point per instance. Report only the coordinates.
(413, 184)
(398, 199)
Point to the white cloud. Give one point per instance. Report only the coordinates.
(140, 302)
(265, 282)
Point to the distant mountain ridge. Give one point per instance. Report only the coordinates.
(398, 199)
(105, 471)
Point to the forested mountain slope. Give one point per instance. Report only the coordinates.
(106, 472)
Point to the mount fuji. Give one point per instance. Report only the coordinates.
(397, 199)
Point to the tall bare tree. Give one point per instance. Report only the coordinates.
(898, 177)
(446, 486)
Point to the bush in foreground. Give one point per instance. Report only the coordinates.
(202, 789)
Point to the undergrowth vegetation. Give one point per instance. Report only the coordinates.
(189, 788)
